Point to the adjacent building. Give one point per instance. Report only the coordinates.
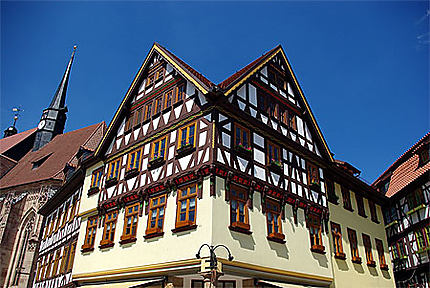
(243, 163)
(406, 183)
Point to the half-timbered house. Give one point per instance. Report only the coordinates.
(186, 162)
(406, 183)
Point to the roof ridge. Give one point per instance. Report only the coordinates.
(401, 157)
(238, 74)
(190, 69)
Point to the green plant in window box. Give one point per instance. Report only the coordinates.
(275, 164)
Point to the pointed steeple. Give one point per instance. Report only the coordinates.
(54, 117)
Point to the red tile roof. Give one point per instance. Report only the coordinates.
(193, 72)
(11, 141)
(405, 169)
(242, 72)
(60, 151)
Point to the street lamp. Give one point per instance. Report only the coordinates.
(214, 274)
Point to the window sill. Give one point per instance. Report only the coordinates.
(316, 187)
(348, 208)
(127, 239)
(276, 237)
(356, 260)
(275, 167)
(111, 182)
(240, 229)
(131, 173)
(371, 263)
(318, 249)
(340, 255)
(243, 152)
(384, 267)
(391, 224)
(184, 228)
(150, 235)
(185, 150)
(85, 249)
(375, 221)
(416, 209)
(155, 163)
(93, 190)
(106, 245)
(363, 215)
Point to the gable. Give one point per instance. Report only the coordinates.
(272, 78)
(146, 87)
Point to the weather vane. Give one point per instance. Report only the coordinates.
(16, 111)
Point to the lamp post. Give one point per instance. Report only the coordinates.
(211, 276)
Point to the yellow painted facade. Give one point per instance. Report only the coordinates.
(345, 272)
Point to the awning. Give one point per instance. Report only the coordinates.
(283, 285)
(147, 282)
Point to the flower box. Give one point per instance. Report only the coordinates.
(240, 227)
(106, 244)
(184, 226)
(315, 186)
(127, 239)
(111, 181)
(87, 248)
(93, 190)
(156, 162)
(276, 237)
(130, 173)
(356, 260)
(275, 165)
(371, 263)
(318, 249)
(244, 151)
(340, 255)
(384, 267)
(185, 150)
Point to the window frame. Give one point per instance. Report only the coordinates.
(314, 225)
(132, 157)
(167, 103)
(153, 144)
(346, 198)
(147, 111)
(155, 208)
(56, 262)
(270, 159)
(64, 259)
(368, 249)
(134, 216)
(179, 92)
(90, 234)
(373, 211)
(336, 232)
(313, 174)
(71, 256)
(187, 129)
(188, 197)
(353, 245)
(158, 105)
(275, 214)
(96, 178)
(242, 132)
(235, 221)
(114, 168)
(109, 229)
(381, 254)
(360, 205)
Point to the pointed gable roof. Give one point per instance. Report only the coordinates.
(200, 81)
(238, 78)
(51, 158)
(11, 141)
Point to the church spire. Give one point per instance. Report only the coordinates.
(54, 117)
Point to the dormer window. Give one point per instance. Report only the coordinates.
(424, 156)
(38, 163)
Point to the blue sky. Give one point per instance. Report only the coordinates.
(363, 66)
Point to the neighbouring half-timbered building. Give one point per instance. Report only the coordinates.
(186, 162)
(406, 182)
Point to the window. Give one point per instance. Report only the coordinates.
(157, 105)
(71, 257)
(91, 234)
(241, 136)
(47, 225)
(60, 214)
(415, 199)
(398, 249)
(138, 116)
(39, 268)
(74, 206)
(52, 223)
(273, 220)
(49, 266)
(314, 224)
(150, 80)
(284, 116)
(238, 207)
(113, 169)
(147, 111)
(168, 99)
(424, 156)
(187, 202)
(157, 207)
(346, 197)
(64, 259)
(187, 135)
(159, 74)
(133, 161)
(66, 213)
(274, 110)
(130, 222)
(352, 236)
(129, 122)
(43, 270)
(96, 178)
(292, 121)
(336, 233)
(360, 205)
(56, 261)
(368, 249)
(261, 101)
(313, 175)
(373, 214)
(180, 92)
(109, 229)
(273, 154)
(423, 237)
(380, 249)
(159, 148)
